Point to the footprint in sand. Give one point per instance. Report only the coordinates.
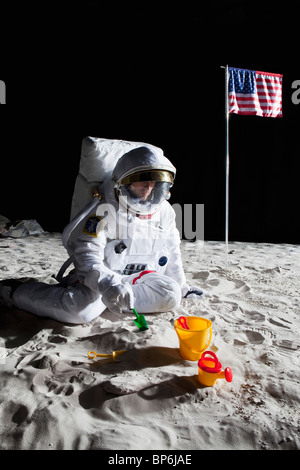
(47, 385)
(20, 415)
(202, 275)
(57, 339)
(47, 361)
(213, 282)
(83, 377)
(255, 337)
(254, 315)
(287, 344)
(278, 322)
(61, 384)
(227, 286)
(59, 389)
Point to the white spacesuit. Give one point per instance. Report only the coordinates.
(127, 251)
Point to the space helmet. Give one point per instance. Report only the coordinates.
(142, 179)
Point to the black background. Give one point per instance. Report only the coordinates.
(151, 74)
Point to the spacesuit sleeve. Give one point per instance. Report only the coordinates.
(174, 267)
(89, 256)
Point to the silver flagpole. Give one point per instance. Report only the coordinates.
(227, 163)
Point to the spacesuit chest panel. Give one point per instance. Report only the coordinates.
(145, 238)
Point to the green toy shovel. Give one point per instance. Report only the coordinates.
(140, 321)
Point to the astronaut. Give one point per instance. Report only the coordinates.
(126, 254)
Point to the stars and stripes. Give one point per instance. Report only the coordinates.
(255, 93)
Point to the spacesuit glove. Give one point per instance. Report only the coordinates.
(192, 292)
(118, 297)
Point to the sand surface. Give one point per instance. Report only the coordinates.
(52, 396)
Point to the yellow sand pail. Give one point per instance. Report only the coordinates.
(194, 340)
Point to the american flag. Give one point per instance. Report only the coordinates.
(255, 93)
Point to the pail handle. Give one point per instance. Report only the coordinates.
(205, 347)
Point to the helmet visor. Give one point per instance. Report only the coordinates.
(149, 175)
(142, 192)
(144, 197)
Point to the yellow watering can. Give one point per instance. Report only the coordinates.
(210, 369)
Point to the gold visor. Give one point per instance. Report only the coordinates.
(149, 175)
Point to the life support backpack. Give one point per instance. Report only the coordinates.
(97, 161)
